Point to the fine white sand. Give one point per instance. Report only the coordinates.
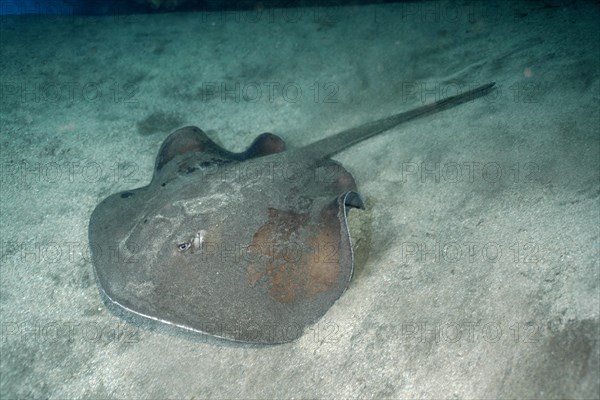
(482, 229)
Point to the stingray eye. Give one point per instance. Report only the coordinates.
(183, 247)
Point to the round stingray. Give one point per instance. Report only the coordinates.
(249, 246)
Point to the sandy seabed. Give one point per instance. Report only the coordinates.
(479, 272)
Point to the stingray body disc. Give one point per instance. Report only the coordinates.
(250, 260)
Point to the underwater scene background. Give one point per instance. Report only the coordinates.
(476, 256)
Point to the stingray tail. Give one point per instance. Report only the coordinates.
(333, 144)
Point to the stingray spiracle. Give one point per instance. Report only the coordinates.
(194, 243)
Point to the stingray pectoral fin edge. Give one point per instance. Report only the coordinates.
(353, 199)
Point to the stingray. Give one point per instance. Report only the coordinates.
(250, 247)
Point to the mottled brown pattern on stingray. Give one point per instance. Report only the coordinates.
(301, 262)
